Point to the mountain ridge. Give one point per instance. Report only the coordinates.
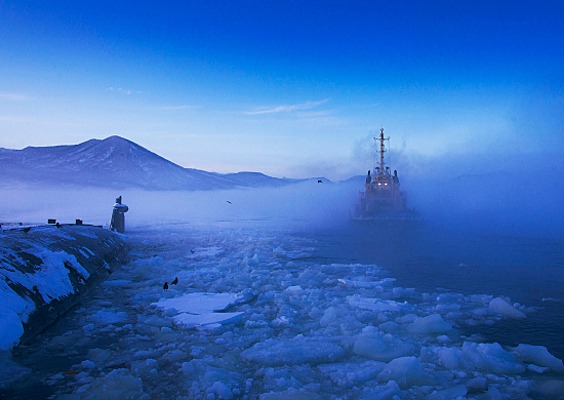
(117, 162)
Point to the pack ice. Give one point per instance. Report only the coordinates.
(256, 315)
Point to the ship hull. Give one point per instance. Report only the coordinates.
(369, 214)
(386, 217)
(386, 208)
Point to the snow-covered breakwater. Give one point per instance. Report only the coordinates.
(45, 269)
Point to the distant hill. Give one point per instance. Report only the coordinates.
(116, 162)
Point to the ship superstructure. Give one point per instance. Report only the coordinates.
(382, 198)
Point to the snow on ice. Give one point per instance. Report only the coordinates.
(198, 309)
(256, 315)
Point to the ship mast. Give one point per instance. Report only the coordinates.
(382, 150)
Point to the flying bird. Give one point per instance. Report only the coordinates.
(229, 202)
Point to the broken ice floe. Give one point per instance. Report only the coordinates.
(374, 285)
(376, 345)
(312, 331)
(538, 355)
(373, 304)
(433, 323)
(296, 350)
(202, 309)
(502, 307)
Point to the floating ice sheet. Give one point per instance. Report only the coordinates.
(191, 320)
(200, 308)
(296, 350)
(199, 302)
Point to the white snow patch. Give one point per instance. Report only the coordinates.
(199, 309)
(199, 302)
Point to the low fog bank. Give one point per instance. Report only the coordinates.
(516, 202)
(302, 205)
(524, 201)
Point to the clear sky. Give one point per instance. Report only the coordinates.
(289, 88)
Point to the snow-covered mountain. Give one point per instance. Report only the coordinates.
(116, 162)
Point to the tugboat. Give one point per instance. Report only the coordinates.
(382, 200)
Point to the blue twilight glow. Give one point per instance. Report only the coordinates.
(289, 88)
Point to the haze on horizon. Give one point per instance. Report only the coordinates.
(290, 88)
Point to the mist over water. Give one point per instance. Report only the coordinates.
(305, 204)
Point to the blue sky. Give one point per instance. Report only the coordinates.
(289, 88)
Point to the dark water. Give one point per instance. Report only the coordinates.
(528, 270)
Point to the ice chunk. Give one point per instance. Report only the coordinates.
(407, 372)
(144, 368)
(380, 347)
(477, 384)
(197, 309)
(454, 392)
(388, 392)
(451, 358)
(221, 390)
(297, 350)
(295, 289)
(492, 394)
(117, 384)
(537, 369)
(374, 285)
(250, 261)
(551, 299)
(109, 317)
(99, 355)
(406, 318)
(216, 319)
(199, 302)
(88, 364)
(329, 316)
(291, 394)
(492, 357)
(502, 307)
(538, 355)
(215, 382)
(352, 373)
(433, 323)
(373, 304)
